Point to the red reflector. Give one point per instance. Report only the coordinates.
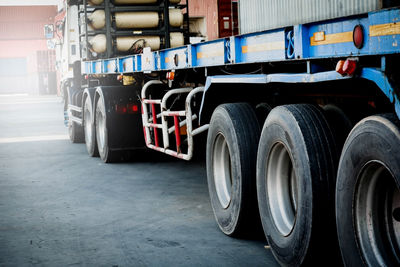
(339, 67)
(86, 77)
(120, 109)
(349, 66)
(372, 104)
(358, 36)
(132, 108)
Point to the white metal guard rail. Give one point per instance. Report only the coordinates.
(151, 122)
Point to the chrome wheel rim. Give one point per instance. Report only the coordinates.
(88, 124)
(222, 171)
(282, 189)
(69, 122)
(377, 215)
(101, 129)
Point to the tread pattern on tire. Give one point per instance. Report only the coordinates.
(91, 145)
(306, 134)
(239, 125)
(106, 154)
(375, 138)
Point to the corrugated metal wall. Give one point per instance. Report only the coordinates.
(257, 15)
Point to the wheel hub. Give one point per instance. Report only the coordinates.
(222, 171)
(88, 124)
(101, 129)
(282, 189)
(377, 215)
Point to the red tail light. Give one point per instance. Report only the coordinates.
(347, 67)
(132, 108)
(129, 108)
(120, 109)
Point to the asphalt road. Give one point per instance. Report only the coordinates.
(59, 207)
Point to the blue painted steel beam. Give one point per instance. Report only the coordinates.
(327, 39)
(381, 80)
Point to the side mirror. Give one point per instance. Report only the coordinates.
(49, 31)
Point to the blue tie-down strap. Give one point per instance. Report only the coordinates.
(290, 46)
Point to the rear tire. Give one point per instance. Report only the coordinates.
(102, 135)
(231, 155)
(75, 131)
(339, 123)
(89, 128)
(262, 111)
(368, 194)
(296, 170)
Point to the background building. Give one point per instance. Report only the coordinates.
(213, 19)
(23, 48)
(26, 63)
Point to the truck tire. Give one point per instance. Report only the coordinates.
(231, 155)
(102, 135)
(75, 131)
(89, 128)
(262, 111)
(368, 195)
(339, 123)
(296, 170)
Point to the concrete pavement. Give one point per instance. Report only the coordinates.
(59, 207)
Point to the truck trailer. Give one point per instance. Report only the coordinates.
(299, 118)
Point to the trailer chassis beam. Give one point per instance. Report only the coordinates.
(375, 75)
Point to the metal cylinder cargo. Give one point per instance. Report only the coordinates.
(130, 2)
(131, 20)
(125, 44)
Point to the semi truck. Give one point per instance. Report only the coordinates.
(299, 118)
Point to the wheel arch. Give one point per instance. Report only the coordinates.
(244, 88)
(121, 126)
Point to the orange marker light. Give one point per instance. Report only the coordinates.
(339, 67)
(170, 76)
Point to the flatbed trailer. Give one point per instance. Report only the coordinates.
(302, 125)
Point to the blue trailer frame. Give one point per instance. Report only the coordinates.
(318, 40)
(283, 83)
